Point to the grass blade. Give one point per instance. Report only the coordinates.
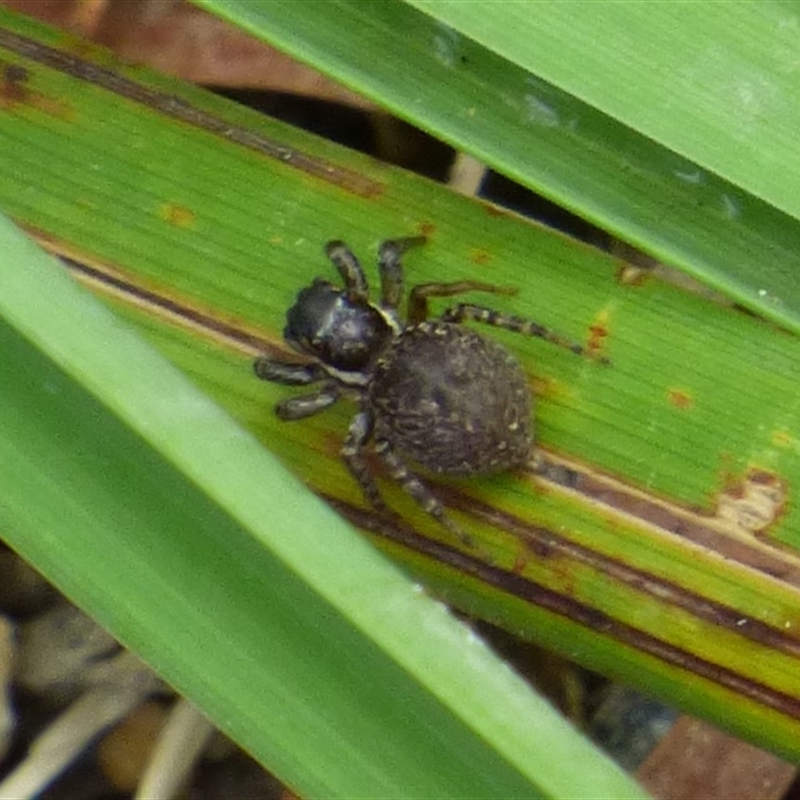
(643, 566)
(156, 513)
(146, 504)
(493, 103)
(712, 82)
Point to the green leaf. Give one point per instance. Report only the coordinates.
(505, 103)
(661, 545)
(712, 81)
(155, 511)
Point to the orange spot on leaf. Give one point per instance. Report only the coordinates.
(598, 333)
(480, 256)
(12, 87)
(15, 92)
(782, 439)
(177, 215)
(680, 399)
(427, 229)
(495, 211)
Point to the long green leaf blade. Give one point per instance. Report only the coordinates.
(715, 82)
(489, 103)
(189, 211)
(155, 512)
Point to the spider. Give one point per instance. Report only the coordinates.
(431, 392)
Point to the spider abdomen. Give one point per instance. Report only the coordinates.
(452, 401)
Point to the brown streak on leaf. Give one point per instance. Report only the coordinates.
(183, 111)
(548, 544)
(15, 92)
(705, 530)
(754, 503)
(565, 606)
(113, 281)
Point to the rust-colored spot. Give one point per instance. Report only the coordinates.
(563, 574)
(630, 275)
(177, 215)
(520, 562)
(598, 333)
(480, 256)
(427, 229)
(552, 389)
(495, 211)
(13, 89)
(680, 399)
(754, 503)
(14, 92)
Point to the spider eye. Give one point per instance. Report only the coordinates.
(310, 314)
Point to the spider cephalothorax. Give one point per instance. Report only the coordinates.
(431, 392)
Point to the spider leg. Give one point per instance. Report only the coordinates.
(353, 454)
(349, 268)
(298, 375)
(413, 486)
(308, 404)
(288, 374)
(467, 311)
(391, 270)
(418, 297)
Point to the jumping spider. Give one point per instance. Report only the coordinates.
(430, 391)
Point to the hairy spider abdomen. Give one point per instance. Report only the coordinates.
(452, 401)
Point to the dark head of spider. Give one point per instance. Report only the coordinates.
(431, 392)
(340, 328)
